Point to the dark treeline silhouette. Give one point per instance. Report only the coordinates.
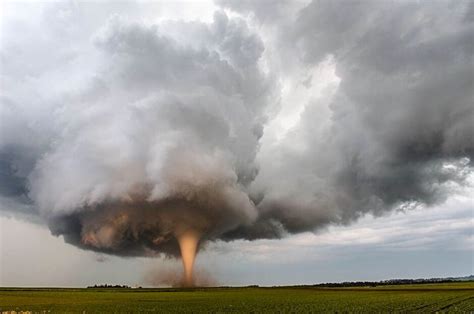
(107, 286)
(326, 285)
(395, 282)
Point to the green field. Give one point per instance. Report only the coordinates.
(425, 298)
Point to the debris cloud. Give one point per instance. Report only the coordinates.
(172, 276)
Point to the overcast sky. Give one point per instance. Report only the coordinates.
(305, 142)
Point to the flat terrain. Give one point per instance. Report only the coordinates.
(425, 298)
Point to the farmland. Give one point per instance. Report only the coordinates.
(448, 297)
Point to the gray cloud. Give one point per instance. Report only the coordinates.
(163, 137)
(142, 129)
(401, 121)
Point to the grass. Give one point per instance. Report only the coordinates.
(426, 298)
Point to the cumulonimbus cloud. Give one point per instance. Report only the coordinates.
(162, 126)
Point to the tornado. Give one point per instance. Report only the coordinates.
(188, 244)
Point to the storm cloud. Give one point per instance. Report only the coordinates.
(123, 133)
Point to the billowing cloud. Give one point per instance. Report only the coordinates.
(395, 129)
(126, 132)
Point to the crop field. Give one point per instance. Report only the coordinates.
(424, 298)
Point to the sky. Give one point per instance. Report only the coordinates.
(303, 142)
